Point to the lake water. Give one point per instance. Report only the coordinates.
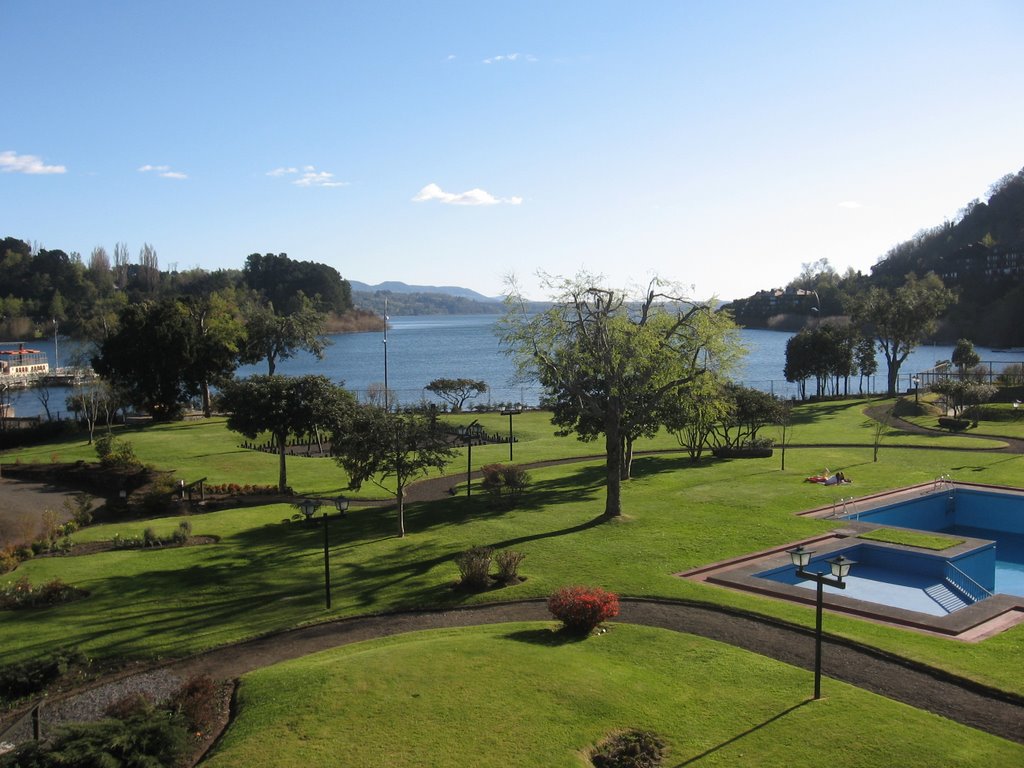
(421, 349)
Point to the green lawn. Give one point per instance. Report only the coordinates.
(1011, 423)
(520, 695)
(265, 574)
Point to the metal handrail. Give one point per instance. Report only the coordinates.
(965, 584)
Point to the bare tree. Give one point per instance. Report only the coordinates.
(149, 272)
(121, 260)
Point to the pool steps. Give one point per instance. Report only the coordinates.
(945, 597)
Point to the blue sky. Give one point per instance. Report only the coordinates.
(718, 144)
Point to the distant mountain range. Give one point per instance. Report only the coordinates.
(395, 286)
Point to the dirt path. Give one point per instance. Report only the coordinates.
(956, 699)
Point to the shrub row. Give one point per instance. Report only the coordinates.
(234, 489)
(23, 594)
(150, 538)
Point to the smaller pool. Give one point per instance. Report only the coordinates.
(912, 580)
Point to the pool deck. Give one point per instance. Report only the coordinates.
(970, 624)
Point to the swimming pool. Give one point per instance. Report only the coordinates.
(947, 591)
(970, 512)
(911, 580)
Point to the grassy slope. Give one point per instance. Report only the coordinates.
(515, 695)
(266, 575)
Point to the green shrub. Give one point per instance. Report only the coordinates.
(115, 453)
(181, 535)
(22, 594)
(581, 609)
(79, 507)
(8, 560)
(508, 561)
(632, 749)
(475, 568)
(150, 538)
(954, 425)
(196, 702)
(28, 677)
(504, 481)
(149, 739)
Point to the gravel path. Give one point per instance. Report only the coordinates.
(956, 699)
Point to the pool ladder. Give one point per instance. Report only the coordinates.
(943, 483)
(841, 507)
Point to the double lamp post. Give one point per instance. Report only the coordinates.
(308, 507)
(840, 567)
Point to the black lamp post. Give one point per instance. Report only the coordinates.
(510, 412)
(308, 507)
(917, 387)
(840, 567)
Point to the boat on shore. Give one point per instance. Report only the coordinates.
(21, 366)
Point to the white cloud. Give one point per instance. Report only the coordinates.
(10, 162)
(472, 197)
(308, 176)
(313, 178)
(163, 171)
(851, 204)
(510, 57)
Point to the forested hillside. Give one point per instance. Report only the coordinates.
(979, 255)
(85, 296)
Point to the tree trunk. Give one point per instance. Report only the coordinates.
(207, 408)
(282, 474)
(627, 459)
(892, 378)
(613, 460)
(401, 512)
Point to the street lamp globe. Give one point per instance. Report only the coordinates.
(840, 566)
(800, 557)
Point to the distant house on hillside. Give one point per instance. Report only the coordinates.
(997, 263)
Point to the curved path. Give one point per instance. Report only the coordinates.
(957, 699)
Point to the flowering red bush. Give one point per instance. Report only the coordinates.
(581, 609)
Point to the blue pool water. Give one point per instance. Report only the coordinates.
(913, 581)
(935, 583)
(972, 513)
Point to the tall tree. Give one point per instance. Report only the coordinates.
(693, 414)
(964, 355)
(272, 337)
(161, 355)
(150, 357)
(284, 407)
(219, 338)
(608, 363)
(385, 448)
(456, 392)
(899, 319)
